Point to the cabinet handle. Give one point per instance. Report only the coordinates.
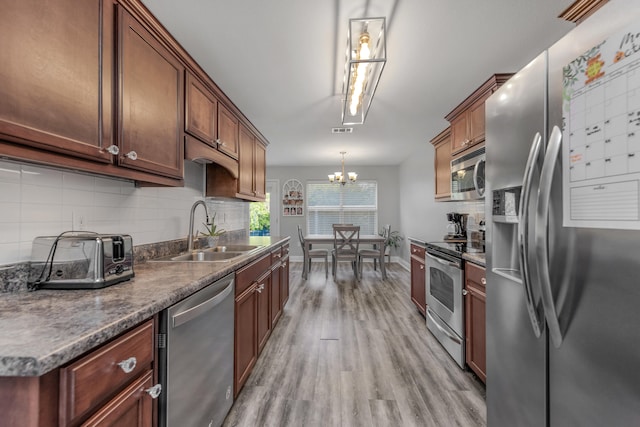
(260, 288)
(224, 144)
(113, 149)
(154, 391)
(128, 365)
(284, 265)
(421, 267)
(483, 281)
(465, 292)
(132, 155)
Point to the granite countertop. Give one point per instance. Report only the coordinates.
(45, 329)
(418, 241)
(479, 259)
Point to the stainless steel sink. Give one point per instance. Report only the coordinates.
(223, 253)
(232, 248)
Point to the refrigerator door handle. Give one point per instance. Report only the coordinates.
(542, 235)
(535, 316)
(479, 191)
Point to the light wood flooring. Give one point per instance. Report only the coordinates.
(355, 353)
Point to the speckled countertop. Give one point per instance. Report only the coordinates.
(42, 330)
(475, 258)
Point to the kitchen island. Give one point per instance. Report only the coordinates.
(46, 329)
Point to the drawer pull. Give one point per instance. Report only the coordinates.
(483, 281)
(154, 391)
(465, 292)
(113, 149)
(132, 155)
(128, 365)
(260, 288)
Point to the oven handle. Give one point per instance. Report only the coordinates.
(443, 262)
(535, 316)
(444, 331)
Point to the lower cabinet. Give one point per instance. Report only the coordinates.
(262, 289)
(113, 385)
(475, 319)
(418, 278)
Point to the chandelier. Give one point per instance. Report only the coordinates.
(340, 177)
(366, 56)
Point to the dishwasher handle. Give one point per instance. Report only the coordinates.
(190, 314)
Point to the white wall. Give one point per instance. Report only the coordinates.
(40, 201)
(388, 197)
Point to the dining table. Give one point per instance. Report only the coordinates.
(327, 239)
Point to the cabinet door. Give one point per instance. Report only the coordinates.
(284, 282)
(246, 336)
(264, 304)
(133, 407)
(245, 162)
(459, 133)
(201, 115)
(442, 147)
(227, 132)
(56, 80)
(477, 121)
(276, 298)
(475, 320)
(260, 170)
(418, 281)
(151, 102)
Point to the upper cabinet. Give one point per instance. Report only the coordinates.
(56, 90)
(151, 102)
(101, 86)
(249, 184)
(227, 132)
(581, 10)
(467, 119)
(442, 164)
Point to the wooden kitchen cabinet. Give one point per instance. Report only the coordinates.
(276, 287)
(246, 336)
(468, 119)
(264, 291)
(580, 10)
(475, 319)
(250, 184)
(201, 111)
(418, 278)
(442, 164)
(57, 80)
(228, 127)
(151, 107)
(284, 276)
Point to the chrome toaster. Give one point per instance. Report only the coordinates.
(81, 260)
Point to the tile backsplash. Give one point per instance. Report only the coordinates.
(42, 201)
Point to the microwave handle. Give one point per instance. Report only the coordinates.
(480, 191)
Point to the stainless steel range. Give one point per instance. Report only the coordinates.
(444, 289)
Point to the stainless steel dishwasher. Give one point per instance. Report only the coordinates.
(196, 357)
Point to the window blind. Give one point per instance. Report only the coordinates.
(352, 203)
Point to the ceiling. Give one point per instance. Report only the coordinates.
(282, 64)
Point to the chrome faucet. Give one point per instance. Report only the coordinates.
(191, 215)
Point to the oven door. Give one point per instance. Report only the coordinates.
(444, 279)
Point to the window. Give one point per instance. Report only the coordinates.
(353, 203)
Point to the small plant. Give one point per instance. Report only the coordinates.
(212, 230)
(392, 240)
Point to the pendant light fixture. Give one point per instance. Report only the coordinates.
(340, 177)
(365, 59)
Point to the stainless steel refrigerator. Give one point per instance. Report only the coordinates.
(563, 301)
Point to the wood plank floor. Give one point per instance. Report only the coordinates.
(350, 353)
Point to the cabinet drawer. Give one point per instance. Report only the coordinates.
(276, 256)
(417, 251)
(285, 251)
(475, 273)
(98, 376)
(248, 274)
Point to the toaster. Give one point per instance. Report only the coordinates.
(81, 260)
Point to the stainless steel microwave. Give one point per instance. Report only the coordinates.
(467, 176)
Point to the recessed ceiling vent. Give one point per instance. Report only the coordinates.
(341, 130)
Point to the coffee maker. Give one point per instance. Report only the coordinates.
(456, 227)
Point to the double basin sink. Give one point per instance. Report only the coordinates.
(223, 253)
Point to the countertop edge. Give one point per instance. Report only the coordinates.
(26, 365)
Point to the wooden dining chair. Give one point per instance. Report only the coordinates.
(346, 242)
(375, 252)
(308, 255)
